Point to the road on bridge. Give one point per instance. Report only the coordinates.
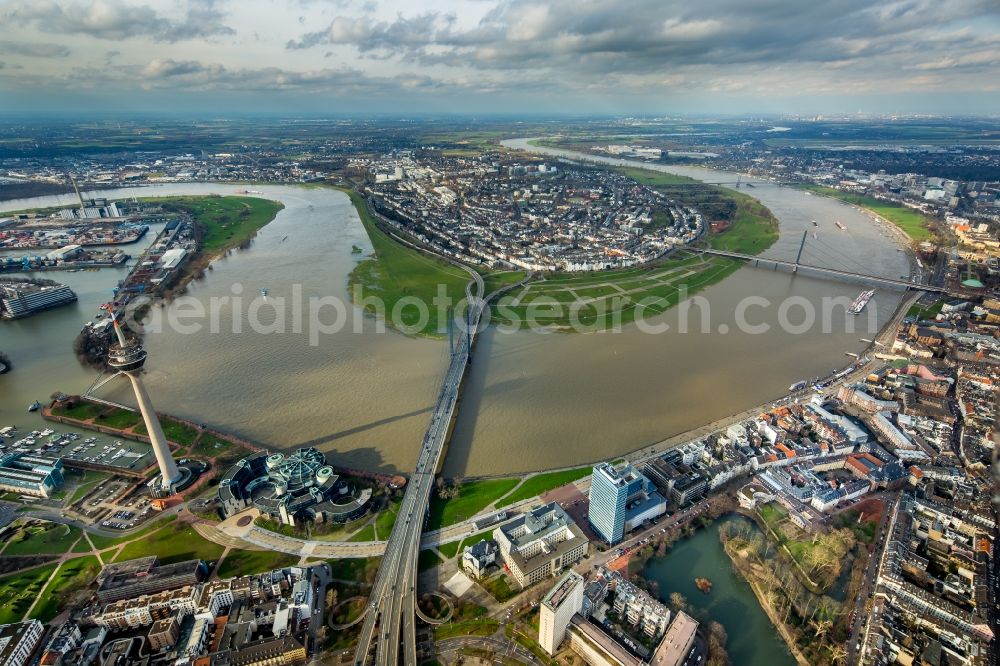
(392, 605)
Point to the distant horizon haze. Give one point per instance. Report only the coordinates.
(508, 57)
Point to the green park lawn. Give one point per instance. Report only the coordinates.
(930, 312)
(453, 548)
(542, 483)
(122, 419)
(44, 538)
(386, 519)
(499, 588)
(113, 417)
(472, 498)
(82, 411)
(18, 591)
(175, 431)
(174, 543)
(366, 533)
(356, 569)
(210, 446)
(72, 576)
(450, 549)
(88, 481)
(478, 627)
(495, 281)
(246, 562)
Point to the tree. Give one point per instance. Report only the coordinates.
(820, 628)
(838, 654)
(717, 637)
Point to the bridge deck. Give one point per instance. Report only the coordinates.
(822, 269)
(392, 602)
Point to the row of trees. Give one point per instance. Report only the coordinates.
(808, 617)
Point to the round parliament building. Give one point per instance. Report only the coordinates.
(291, 488)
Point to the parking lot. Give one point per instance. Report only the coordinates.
(115, 503)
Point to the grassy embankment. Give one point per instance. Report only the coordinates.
(913, 223)
(395, 272)
(543, 483)
(466, 500)
(576, 301)
(223, 222)
(190, 440)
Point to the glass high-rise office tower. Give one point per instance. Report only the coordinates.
(609, 491)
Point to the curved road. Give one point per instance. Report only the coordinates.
(508, 649)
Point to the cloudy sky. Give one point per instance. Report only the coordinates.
(504, 56)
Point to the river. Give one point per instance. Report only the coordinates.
(532, 401)
(752, 640)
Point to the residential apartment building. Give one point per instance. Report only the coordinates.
(19, 641)
(640, 610)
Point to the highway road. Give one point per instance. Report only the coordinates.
(390, 622)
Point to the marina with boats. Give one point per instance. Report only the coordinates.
(92, 452)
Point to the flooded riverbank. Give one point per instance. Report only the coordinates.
(532, 401)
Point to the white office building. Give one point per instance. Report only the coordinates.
(557, 609)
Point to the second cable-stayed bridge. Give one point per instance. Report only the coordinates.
(798, 265)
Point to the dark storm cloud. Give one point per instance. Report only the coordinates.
(640, 36)
(113, 19)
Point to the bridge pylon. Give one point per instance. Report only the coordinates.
(451, 330)
(795, 268)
